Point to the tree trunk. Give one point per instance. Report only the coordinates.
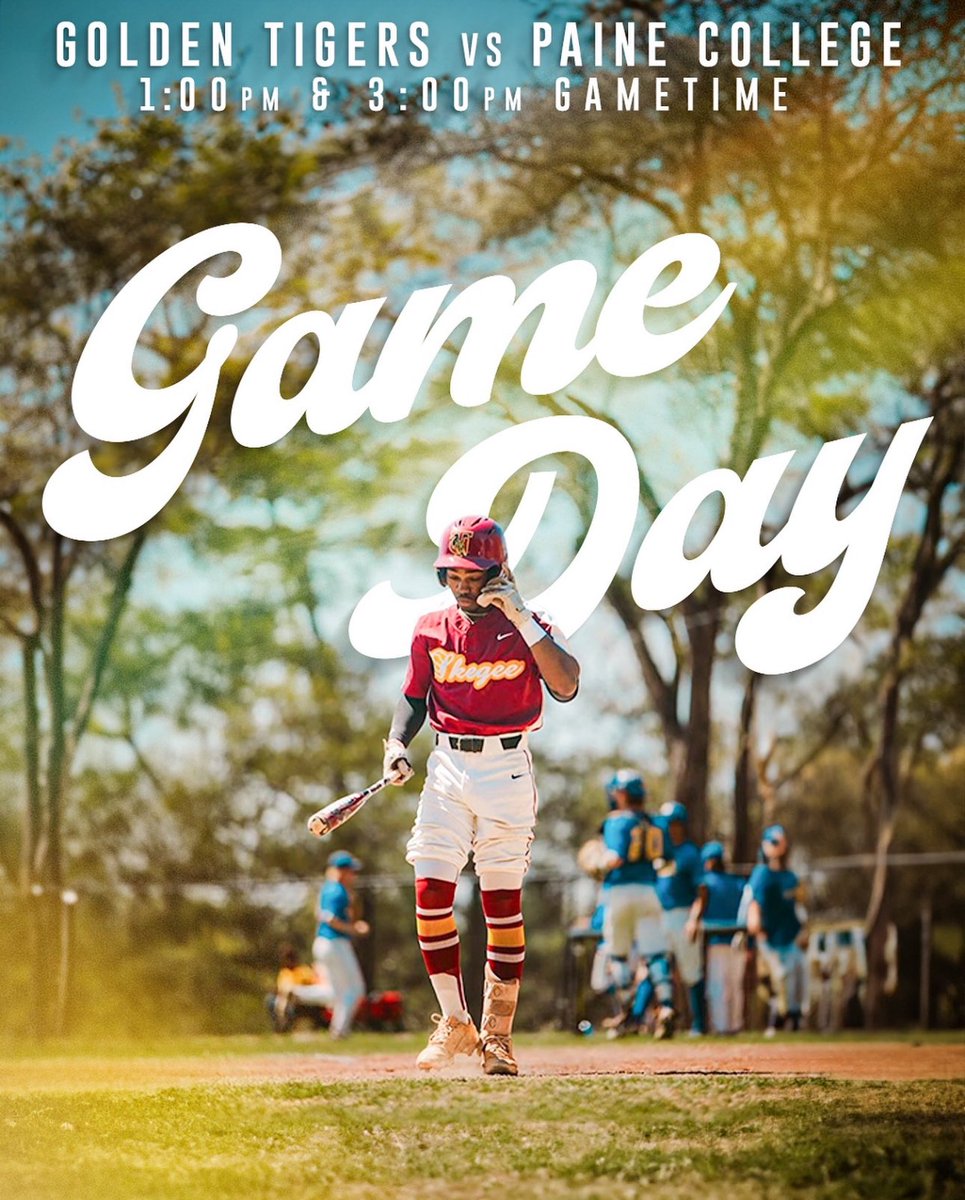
(745, 775)
(882, 777)
(876, 939)
(33, 816)
(941, 474)
(56, 699)
(693, 780)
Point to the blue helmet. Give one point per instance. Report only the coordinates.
(344, 861)
(629, 781)
(712, 850)
(673, 810)
(774, 834)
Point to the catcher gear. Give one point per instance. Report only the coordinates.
(471, 543)
(449, 1038)
(395, 763)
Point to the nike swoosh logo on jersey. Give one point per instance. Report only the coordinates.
(500, 636)
(519, 776)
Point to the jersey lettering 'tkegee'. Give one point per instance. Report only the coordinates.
(479, 677)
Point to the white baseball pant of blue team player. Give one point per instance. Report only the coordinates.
(787, 968)
(725, 966)
(687, 953)
(633, 921)
(337, 956)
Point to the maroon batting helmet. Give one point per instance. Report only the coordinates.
(472, 544)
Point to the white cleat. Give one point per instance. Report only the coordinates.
(449, 1038)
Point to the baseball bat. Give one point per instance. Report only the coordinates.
(343, 809)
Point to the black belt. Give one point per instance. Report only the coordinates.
(474, 745)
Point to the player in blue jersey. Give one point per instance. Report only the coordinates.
(333, 949)
(682, 898)
(724, 960)
(776, 918)
(632, 909)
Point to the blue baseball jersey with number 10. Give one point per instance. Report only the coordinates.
(625, 833)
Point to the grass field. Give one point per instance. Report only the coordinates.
(94, 1121)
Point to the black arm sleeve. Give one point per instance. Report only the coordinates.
(408, 718)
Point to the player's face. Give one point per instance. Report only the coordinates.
(465, 586)
(678, 832)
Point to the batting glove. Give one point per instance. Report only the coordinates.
(395, 763)
(504, 594)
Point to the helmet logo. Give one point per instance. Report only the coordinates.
(459, 542)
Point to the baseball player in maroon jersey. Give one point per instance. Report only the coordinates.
(477, 669)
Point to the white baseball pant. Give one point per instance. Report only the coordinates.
(483, 804)
(688, 955)
(337, 957)
(786, 967)
(725, 987)
(632, 919)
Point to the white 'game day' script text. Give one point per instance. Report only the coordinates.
(110, 405)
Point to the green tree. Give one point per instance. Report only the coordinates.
(843, 275)
(77, 228)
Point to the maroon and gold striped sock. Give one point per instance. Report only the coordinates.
(439, 943)
(505, 935)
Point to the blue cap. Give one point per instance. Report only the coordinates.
(774, 834)
(629, 781)
(712, 850)
(673, 810)
(344, 860)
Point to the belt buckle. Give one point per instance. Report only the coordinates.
(468, 745)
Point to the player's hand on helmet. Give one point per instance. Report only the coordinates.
(503, 593)
(395, 763)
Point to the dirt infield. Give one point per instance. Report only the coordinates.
(890, 1061)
